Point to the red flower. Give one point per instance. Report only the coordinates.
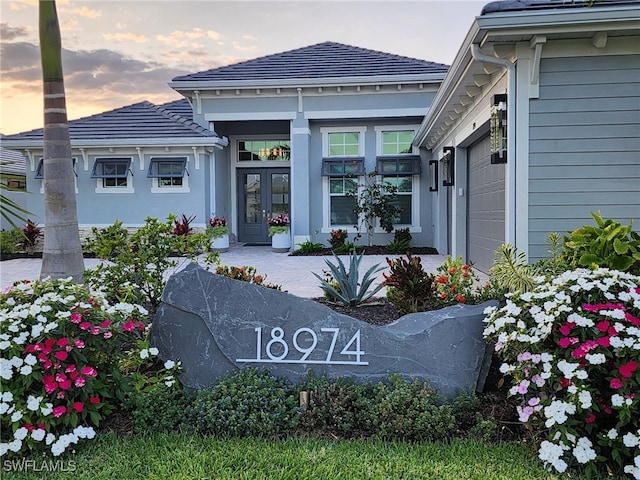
(565, 342)
(565, 382)
(29, 427)
(66, 385)
(89, 371)
(452, 270)
(632, 320)
(627, 369)
(604, 342)
(129, 326)
(615, 383)
(85, 325)
(105, 324)
(442, 279)
(590, 418)
(566, 328)
(94, 400)
(78, 406)
(62, 342)
(61, 355)
(603, 326)
(461, 298)
(59, 411)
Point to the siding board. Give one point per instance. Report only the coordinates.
(584, 145)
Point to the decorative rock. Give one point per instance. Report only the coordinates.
(214, 324)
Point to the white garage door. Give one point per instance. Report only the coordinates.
(486, 212)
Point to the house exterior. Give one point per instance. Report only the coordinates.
(536, 124)
(288, 133)
(13, 179)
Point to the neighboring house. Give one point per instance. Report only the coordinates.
(304, 127)
(12, 176)
(133, 162)
(536, 124)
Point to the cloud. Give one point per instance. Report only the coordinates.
(10, 32)
(125, 37)
(86, 12)
(212, 34)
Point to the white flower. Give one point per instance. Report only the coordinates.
(551, 453)
(26, 370)
(612, 434)
(616, 400)
(15, 416)
(6, 397)
(630, 440)
(50, 438)
(15, 446)
(4, 407)
(33, 403)
(30, 360)
(595, 358)
(154, 351)
(144, 353)
(584, 451)
(4, 344)
(169, 364)
(567, 368)
(46, 409)
(21, 433)
(38, 434)
(585, 399)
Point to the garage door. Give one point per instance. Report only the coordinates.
(486, 212)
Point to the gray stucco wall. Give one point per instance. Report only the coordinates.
(584, 145)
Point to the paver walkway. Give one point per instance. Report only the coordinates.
(293, 273)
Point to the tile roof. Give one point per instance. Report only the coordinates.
(324, 60)
(12, 162)
(140, 120)
(520, 5)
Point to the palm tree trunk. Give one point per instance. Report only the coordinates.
(62, 254)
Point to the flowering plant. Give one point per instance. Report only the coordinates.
(572, 347)
(217, 227)
(455, 281)
(60, 368)
(278, 224)
(338, 238)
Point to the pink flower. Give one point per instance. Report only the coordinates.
(78, 406)
(523, 387)
(79, 343)
(80, 382)
(130, 326)
(66, 385)
(603, 326)
(85, 326)
(89, 371)
(141, 326)
(566, 328)
(615, 383)
(604, 342)
(62, 342)
(105, 324)
(59, 411)
(76, 318)
(565, 342)
(590, 418)
(632, 320)
(70, 368)
(60, 377)
(94, 400)
(627, 369)
(107, 335)
(61, 355)
(95, 330)
(60, 395)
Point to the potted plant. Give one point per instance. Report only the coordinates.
(219, 233)
(279, 232)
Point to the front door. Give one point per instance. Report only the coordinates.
(263, 193)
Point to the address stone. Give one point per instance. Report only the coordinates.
(214, 324)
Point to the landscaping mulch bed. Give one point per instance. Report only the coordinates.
(370, 250)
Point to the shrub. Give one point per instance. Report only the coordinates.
(249, 402)
(455, 282)
(245, 274)
(409, 287)
(163, 410)
(350, 290)
(30, 234)
(9, 240)
(182, 226)
(140, 262)
(338, 238)
(60, 367)
(608, 245)
(337, 407)
(572, 347)
(410, 410)
(308, 246)
(401, 241)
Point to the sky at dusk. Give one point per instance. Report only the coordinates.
(116, 53)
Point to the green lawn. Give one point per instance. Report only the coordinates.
(191, 457)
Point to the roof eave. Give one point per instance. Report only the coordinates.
(307, 82)
(124, 142)
(488, 27)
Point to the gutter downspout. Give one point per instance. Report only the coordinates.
(510, 223)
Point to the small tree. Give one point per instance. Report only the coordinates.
(375, 200)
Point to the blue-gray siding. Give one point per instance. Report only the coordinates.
(584, 145)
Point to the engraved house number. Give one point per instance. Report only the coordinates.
(277, 349)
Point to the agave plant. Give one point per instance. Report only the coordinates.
(349, 291)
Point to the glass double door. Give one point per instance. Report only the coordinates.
(263, 193)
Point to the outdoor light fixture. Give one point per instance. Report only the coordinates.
(499, 129)
(433, 176)
(448, 161)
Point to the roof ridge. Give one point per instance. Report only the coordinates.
(186, 122)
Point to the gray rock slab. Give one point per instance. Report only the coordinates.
(213, 324)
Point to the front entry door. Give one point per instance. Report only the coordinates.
(263, 193)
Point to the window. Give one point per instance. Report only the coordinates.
(168, 172)
(397, 142)
(264, 151)
(340, 205)
(40, 169)
(113, 174)
(398, 166)
(342, 167)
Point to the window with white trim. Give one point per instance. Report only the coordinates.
(113, 175)
(39, 175)
(342, 169)
(397, 165)
(169, 174)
